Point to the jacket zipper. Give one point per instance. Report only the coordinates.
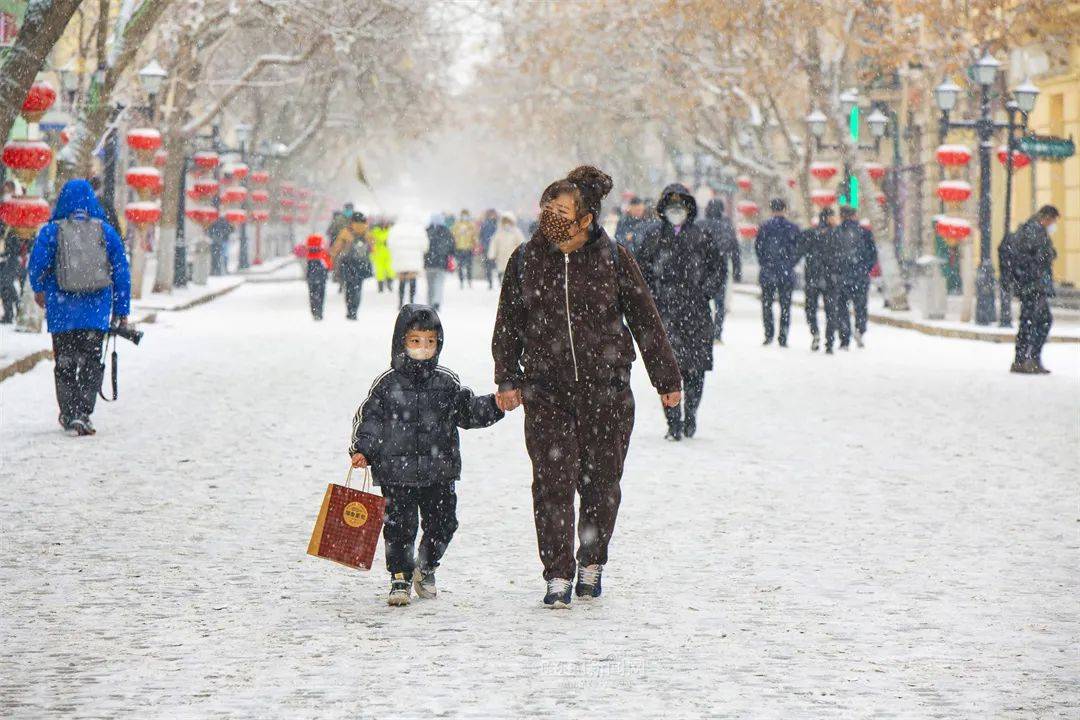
(569, 325)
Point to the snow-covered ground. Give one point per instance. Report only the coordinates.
(889, 532)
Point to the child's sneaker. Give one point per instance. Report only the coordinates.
(399, 589)
(424, 583)
(558, 593)
(588, 581)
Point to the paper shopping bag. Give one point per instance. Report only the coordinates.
(348, 527)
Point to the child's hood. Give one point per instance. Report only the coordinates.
(408, 314)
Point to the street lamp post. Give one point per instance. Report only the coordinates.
(818, 122)
(985, 72)
(243, 133)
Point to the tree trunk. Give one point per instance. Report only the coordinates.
(43, 24)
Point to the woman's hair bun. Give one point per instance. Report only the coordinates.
(597, 181)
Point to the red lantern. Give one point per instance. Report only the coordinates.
(743, 182)
(260, 197)
(953, 155)
(204, 188)
(303, 219)
(24, 214)
(205, 160)
(824, 171)
(304, 193)
(144, 142)
(65, 136)
(160, 158)
(1020, 159)
(952, 229)
(303, 206)
(823, 198)
(747, 208)
(146, 181)
(880, 197)
(234, 195)
(875, 170)
(237, 171)
(286, 217)
(747, 230)
(27, 158)
(202, 214)
(953, 191)
(288, 202)
(287, 189)
(142, 213)
(260, 216)
(235, 216)
(39, 98)
(260, 177)
(791, 183)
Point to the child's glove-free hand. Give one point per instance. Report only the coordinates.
(671, 399)
(359, 461)
(508, 400)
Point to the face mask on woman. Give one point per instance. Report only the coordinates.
(676, 215)
(555, 227)
(1051, 228)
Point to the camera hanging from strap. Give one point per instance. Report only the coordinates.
(114, 374)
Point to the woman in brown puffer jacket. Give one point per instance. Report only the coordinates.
(562, 348)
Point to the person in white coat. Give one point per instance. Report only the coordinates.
(504, 242)
(408, 241)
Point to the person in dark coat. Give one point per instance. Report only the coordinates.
(78, 321)
(1006, 252)
(407, 432)
(721, 232)
(487, 228)
(437, 259)
(1033, 281)
(858, 255)
(777, 248)
(573, 302)
(219, 232)
(681, 264)
(629, 228)
(10, 267)
(813, 251)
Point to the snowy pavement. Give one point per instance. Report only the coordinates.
(887, 533)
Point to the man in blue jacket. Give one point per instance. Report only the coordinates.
(78, 321)
(777, 250)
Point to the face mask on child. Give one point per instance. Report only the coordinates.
(420, 353)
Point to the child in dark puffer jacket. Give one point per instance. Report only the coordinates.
(407, 431)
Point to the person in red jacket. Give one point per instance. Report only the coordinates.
(319, 265)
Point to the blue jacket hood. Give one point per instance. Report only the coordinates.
(77, 195)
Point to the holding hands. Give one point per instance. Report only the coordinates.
(508, 400)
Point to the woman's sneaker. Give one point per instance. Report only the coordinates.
(588, 581)
(558, 593)
(424, 583)
(399, 589)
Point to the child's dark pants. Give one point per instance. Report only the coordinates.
(437, 506)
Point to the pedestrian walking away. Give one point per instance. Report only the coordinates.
(465, 238)
(437, 259)
(79, 273)
(318, 268)
(350, 252)
(777, 248)
(407, 432)
(487, 230)
(408, 241)
(10, 269)
(721, 232)
(814, 245)
(560, 345)
(1033, 281)
(628, 231)
(504, 242)
(681, 265)
(858, 255)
